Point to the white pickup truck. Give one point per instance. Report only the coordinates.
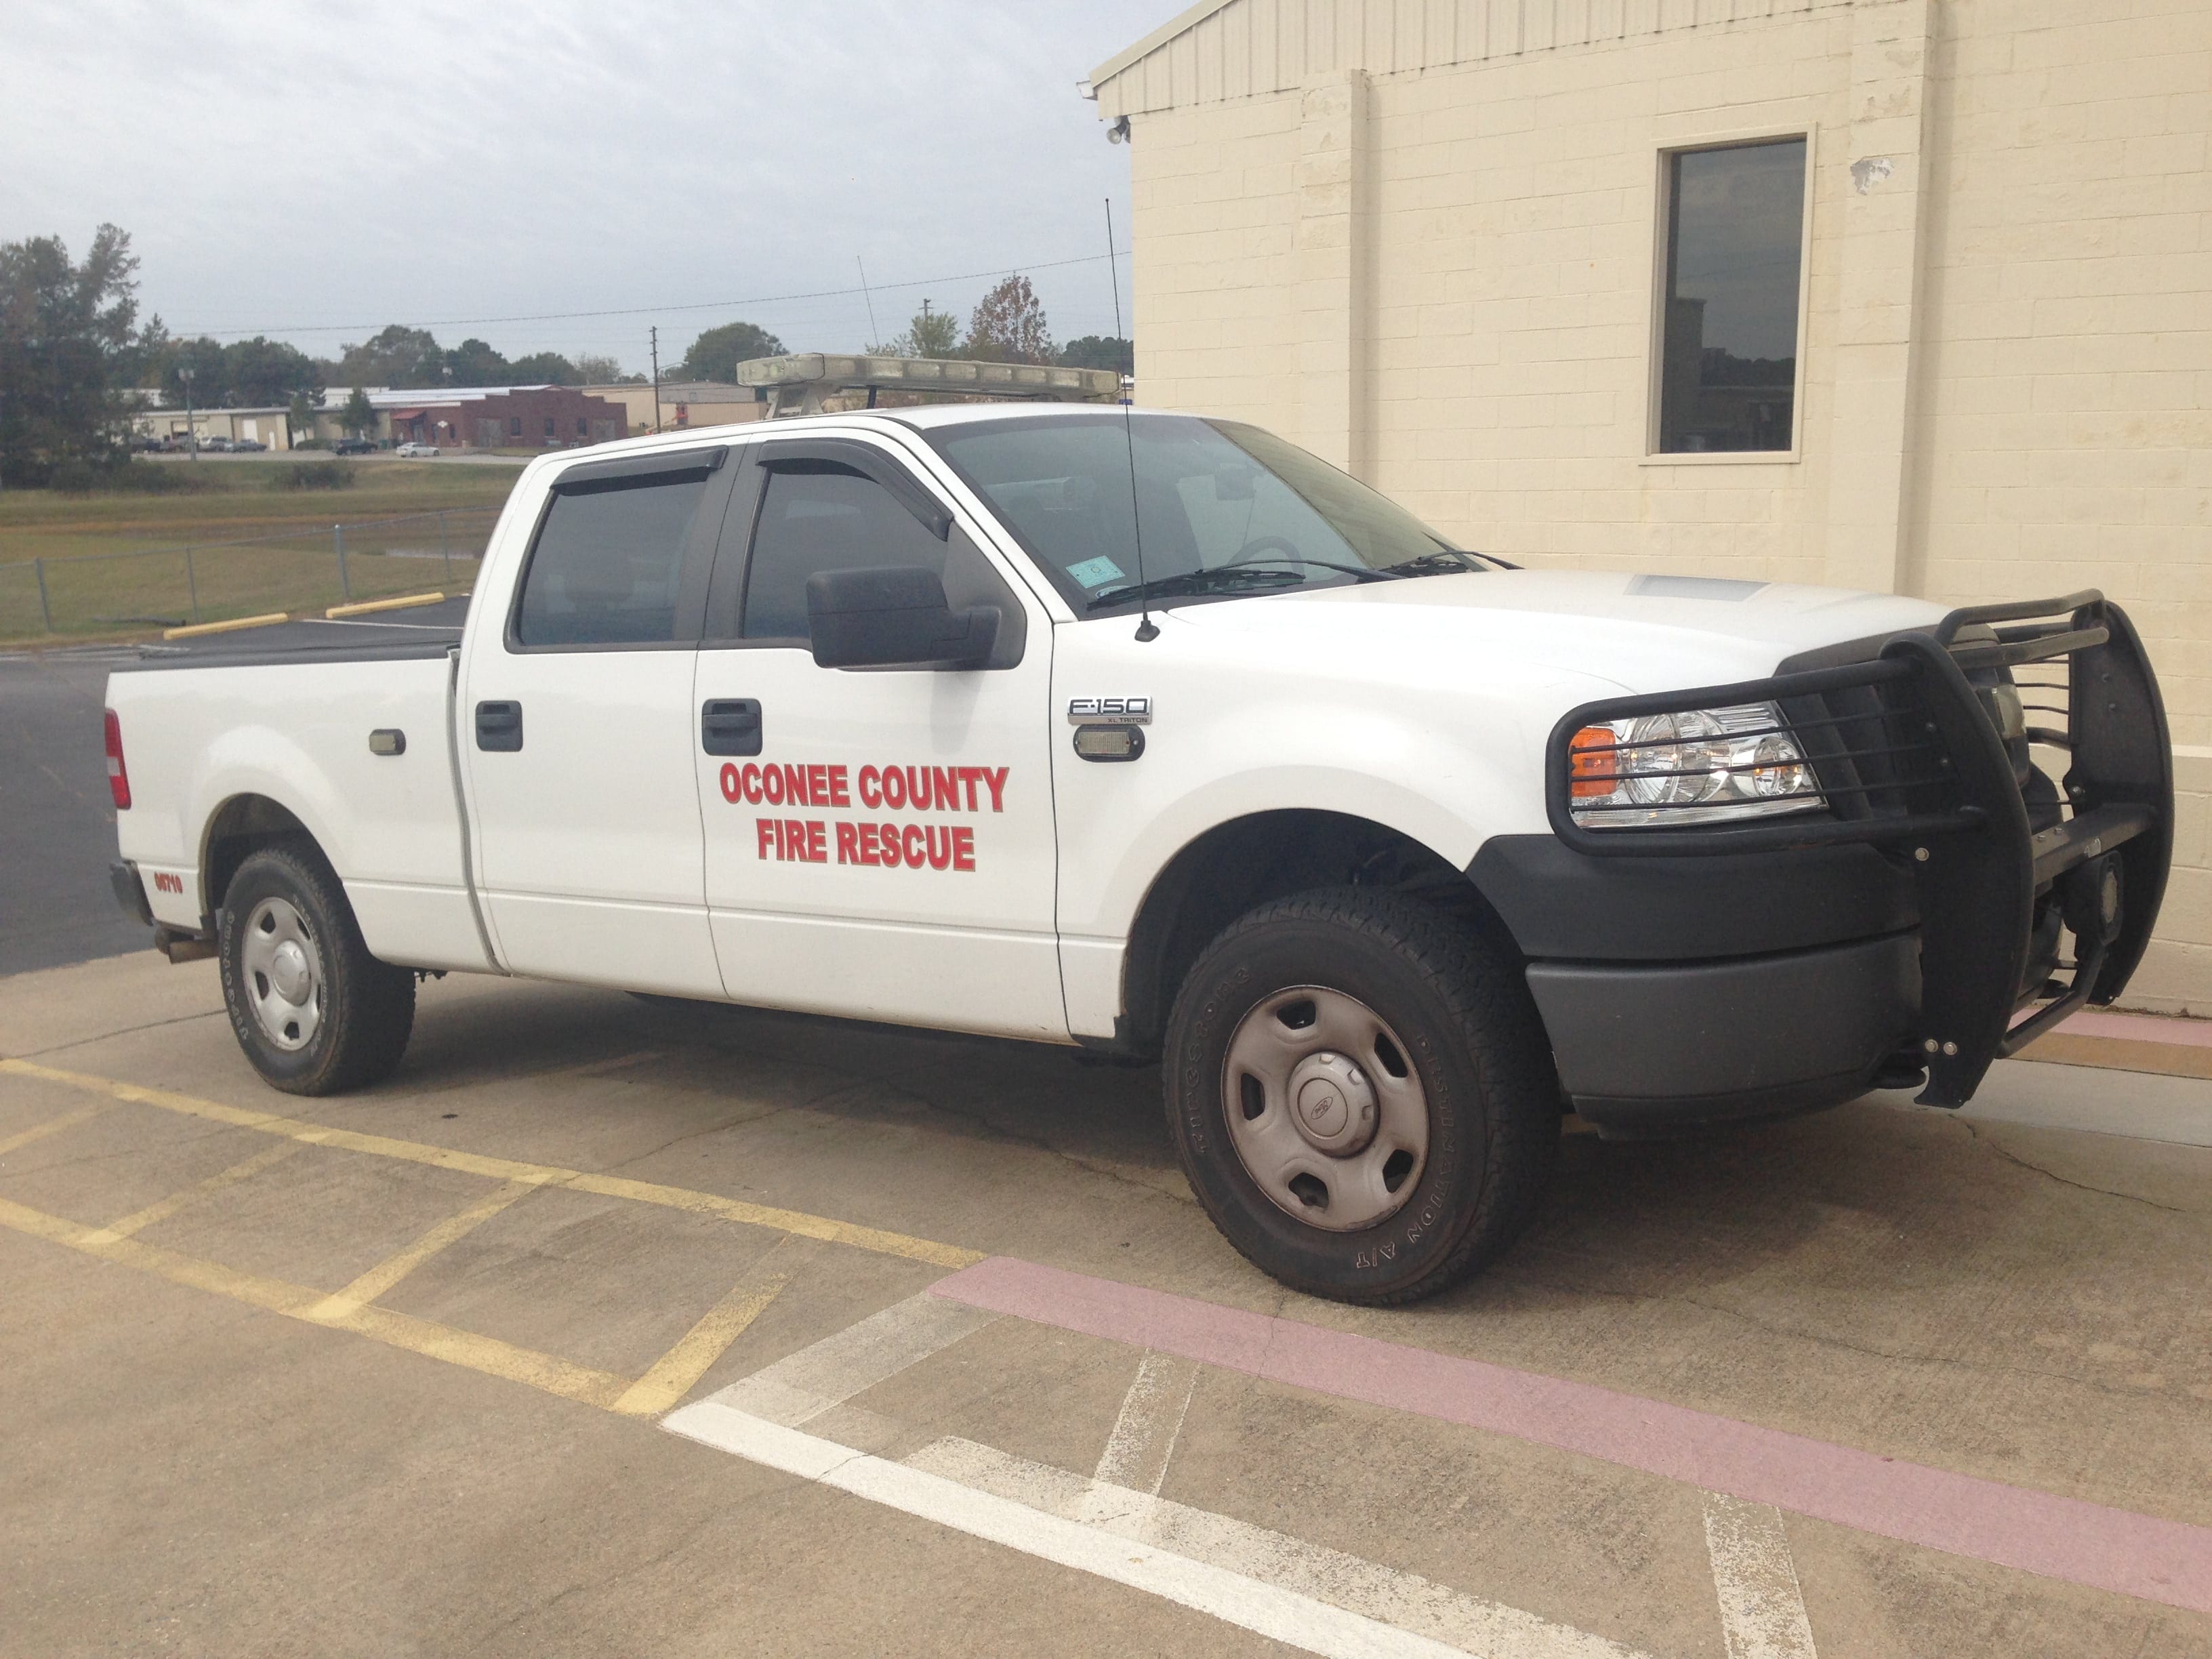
(1154, 734)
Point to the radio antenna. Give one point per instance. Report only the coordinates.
(1146, 631)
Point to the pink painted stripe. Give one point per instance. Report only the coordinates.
(2166, 1561)
(2140, 1028)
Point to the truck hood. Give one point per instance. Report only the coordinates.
(1642, 632)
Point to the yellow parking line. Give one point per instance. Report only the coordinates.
(390, 1271)
(675, 1372)
(500, 1169)
(486, 1354)
(162, 1209)
(53, 1126)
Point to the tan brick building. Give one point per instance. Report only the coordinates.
(1912, 294)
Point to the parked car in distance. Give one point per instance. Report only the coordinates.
(415, 449)
(249, 445)
(216, 446)
(353, 447)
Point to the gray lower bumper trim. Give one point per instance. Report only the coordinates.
(1697, 1031)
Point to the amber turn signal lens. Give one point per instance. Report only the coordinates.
(1591, 767)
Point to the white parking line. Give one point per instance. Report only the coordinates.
(1295, 1619)
(1414, 1609)
(1135, 1462)
(1762, 1606)
(802, 1386)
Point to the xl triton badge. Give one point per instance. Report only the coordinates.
(1109, 711)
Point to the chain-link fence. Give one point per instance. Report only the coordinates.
(213, 582)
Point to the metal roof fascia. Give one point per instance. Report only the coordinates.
(1153, 42)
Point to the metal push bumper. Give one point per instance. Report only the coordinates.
(1828, 954)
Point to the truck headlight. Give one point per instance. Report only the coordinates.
(1699, 766)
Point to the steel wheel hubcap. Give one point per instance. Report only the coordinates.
(283, 973)
(1325, 1109)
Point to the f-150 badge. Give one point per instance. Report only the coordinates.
(1109, 711)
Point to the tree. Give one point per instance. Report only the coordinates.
(66, 346)
(1100, 351)
(595, 370)
(473, 362)
(204, 361)
(544, 368)
(260, 373)
(929, 334)
(1009, 327)
(301, 417)
(394, 356)
(715, 355)
(359, 416)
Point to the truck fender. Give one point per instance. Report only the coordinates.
(256, 761)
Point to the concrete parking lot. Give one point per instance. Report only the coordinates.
(610, 1328)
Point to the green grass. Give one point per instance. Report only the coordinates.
(288, 563)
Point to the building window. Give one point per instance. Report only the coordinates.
(583, 427)
(515, 426)
(549, 426)
(1729, 317)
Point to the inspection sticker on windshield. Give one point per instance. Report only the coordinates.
(1095, 572)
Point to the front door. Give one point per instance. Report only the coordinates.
(879, 841)
(576, 728)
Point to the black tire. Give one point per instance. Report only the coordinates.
(363, 1009)
(1462, 1013)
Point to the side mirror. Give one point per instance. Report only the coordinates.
(893, 617)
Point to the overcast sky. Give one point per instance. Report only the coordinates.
(313, 173)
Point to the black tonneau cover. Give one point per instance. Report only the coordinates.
(423, 632)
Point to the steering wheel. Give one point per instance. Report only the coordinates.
(1264, 544)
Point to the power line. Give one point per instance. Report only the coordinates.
(639, 311)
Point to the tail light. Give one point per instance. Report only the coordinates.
(118, 779)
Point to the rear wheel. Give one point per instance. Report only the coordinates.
(1360, 1094)
(312, 1009)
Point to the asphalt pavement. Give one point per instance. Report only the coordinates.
(56, 821)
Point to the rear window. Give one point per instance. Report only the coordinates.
(607, 564)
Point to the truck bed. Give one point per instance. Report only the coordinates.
(283, 714)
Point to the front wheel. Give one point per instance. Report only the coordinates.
(313, 1011)
(1360, 1094)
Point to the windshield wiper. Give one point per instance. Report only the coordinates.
(1446, 562)
(1228, 577)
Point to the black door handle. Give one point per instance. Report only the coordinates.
(730, 726)
(499, 726)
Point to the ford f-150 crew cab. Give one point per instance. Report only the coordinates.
(1157, 735)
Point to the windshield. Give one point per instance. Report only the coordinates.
(1226, 510)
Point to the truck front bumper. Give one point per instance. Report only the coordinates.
(1695, 975)
(1644, 1050)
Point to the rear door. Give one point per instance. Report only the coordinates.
(576, 728)
(879, 841)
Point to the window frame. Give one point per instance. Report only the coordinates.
(722, 465)
(1806, 131)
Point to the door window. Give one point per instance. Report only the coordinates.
(821, 516)
(608, 564)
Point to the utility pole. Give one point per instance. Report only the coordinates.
(656, 377)
(191, 436)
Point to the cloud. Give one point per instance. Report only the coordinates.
(283, 169)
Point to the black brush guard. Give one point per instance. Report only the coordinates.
(1911, 755)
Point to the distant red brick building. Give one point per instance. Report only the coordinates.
(507, 417)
